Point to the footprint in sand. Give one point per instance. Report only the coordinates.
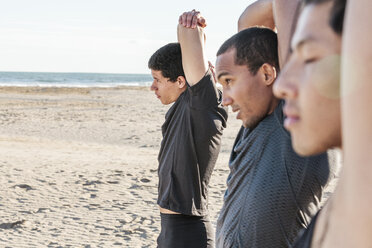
(23, 186)
(13, 224)
(88, 183)
(145, 180)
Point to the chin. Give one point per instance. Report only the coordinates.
(301, 151)
(164, 103)
(251, 123)
(307, 149)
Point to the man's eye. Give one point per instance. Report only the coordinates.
(310, 60)
(227, 81)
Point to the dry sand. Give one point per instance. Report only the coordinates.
(79, 167)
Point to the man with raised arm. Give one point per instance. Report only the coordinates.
(271, 191)
(191, 135)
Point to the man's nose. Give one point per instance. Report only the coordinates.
(226, 99)
(285, 86)
(153, 86)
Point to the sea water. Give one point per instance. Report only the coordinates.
(56, 79)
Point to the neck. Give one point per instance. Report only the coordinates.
(272, 106)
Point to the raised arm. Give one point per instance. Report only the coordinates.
(279, 14)
(192, 39)
(259, 13)
(356, 184)
(285, 15)
(347, 221)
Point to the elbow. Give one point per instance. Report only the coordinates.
(242, 22)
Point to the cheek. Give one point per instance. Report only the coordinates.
(318, 114)
(319, 90)
(310, 102)
(162, 88)
(240, 92)
(327, 77)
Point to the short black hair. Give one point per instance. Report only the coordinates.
(337, 14)
(254, 47)
(168, 60)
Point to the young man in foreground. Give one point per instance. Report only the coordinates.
(191, 136)
(310, 85)
(346, 219)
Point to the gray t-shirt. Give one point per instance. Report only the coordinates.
(191, 142)
(271, 191)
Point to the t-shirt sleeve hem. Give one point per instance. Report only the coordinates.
(202, 81)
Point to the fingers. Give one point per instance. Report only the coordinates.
(192, 19)
(211, 67)
(201, 22)
(183, 18)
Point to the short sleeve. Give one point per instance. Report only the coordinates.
(204, 94)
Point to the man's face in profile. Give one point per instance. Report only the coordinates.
(165, 90)
(244, 92)
(309, 83)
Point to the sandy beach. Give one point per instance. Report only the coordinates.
(79, 167)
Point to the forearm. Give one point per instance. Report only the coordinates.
(356, 102)
(356, 83)
(351, 215)
(260, 13)
(285, 14)
(192, 47)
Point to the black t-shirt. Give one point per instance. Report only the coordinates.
(192, 134)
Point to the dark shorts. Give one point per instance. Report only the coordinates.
(184, 231)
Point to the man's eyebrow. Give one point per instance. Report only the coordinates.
(221, 75)
(300, 44)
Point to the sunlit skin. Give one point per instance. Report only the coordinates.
(165, 90)
(309, 83)
(249, 95)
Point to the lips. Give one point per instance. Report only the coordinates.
(235, 108)
(292, 117)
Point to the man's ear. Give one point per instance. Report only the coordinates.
(181, 82)
(268, 73)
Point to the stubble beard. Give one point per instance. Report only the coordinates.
(252, 122)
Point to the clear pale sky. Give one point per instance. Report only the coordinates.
(116, 36)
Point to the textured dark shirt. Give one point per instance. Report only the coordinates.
(306, 235)
(271, 191)
(191, 142)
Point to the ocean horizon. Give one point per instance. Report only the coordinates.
(73, 79)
